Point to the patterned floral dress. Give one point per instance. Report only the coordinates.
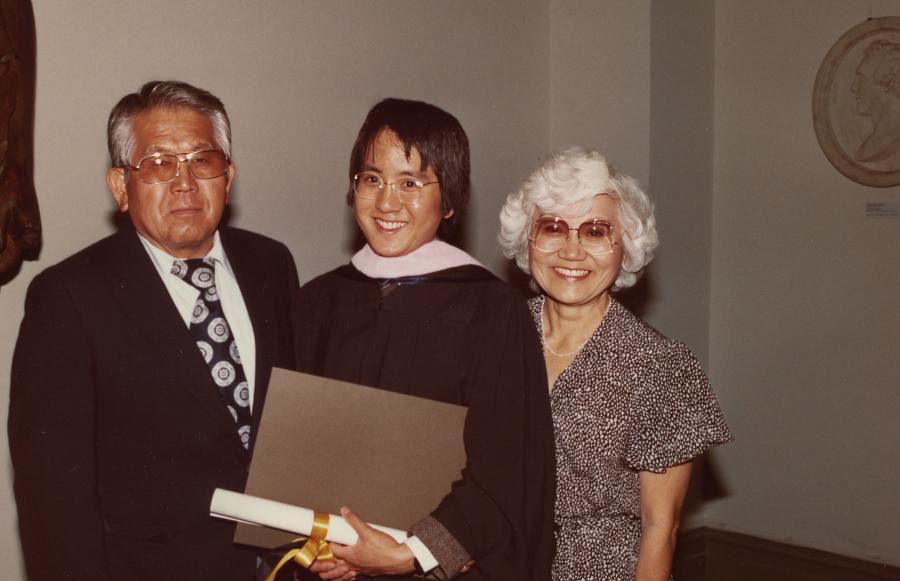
(631, 400)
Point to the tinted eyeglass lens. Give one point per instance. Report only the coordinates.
(595, 237)
(208, 164)
(159, 169)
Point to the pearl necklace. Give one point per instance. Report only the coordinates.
(546, 344)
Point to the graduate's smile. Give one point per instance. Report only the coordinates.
(389, 227)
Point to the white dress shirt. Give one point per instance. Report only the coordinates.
(185, 297)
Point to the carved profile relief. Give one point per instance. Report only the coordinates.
(856, 103)
(20, 222)
(877, 90)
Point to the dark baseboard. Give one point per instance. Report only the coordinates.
(706, 554)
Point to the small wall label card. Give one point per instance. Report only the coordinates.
(883, 209)
(856, 103)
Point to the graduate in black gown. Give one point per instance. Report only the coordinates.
(416, 315)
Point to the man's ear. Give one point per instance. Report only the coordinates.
(229, 177)
(115, 181)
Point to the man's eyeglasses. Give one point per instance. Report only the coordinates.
(161, 168)
(367, 186)
(551, 234)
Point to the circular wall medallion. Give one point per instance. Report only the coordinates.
(856, 103)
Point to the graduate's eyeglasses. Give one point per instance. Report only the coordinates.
(551, 234)
(368, 185)
(161, 168)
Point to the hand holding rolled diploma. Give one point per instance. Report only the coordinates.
(375, 553)
(260, 511)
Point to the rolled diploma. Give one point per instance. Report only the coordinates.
(287, 517)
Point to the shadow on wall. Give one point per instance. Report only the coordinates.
(706, 485)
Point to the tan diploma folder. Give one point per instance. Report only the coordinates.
(323, 444)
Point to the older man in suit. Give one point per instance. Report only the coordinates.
(143, 360)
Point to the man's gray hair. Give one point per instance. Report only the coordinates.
(162, 95)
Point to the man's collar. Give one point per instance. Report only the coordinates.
(164, 260)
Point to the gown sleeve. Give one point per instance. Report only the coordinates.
(674, 415)
(501, 510)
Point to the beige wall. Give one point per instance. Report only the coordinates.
(600, 79)
(767, 269)
(681, 161)
(805, 325)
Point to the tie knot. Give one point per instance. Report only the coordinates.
(198, 272)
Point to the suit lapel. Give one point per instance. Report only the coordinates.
(254, 282)
(145, 302)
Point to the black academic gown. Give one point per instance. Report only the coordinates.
(460, 336)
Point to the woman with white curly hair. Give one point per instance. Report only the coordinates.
(631, 408)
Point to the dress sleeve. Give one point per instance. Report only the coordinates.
(674, 414)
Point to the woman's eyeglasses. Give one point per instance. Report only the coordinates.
(551, 234)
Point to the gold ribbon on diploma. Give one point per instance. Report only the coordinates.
(314, 549)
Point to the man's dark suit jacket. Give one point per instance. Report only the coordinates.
(117, 431)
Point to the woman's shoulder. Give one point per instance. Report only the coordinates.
(648, 347)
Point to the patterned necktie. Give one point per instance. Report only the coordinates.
(216, 342)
